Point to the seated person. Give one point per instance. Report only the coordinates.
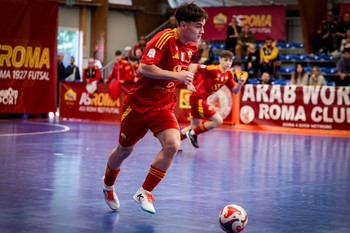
(343, 66)
(205, 54)
(268, 56)
(91, 73)
(325, 40)
(265, 78)
(244, 40)
(238, 72)
(316, 78)
(342, 27)
(253, 61)
(299, 77)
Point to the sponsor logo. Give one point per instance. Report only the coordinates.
(8, 97)
(185, 99)
(151, 53)
(246, 114)
(220, 21)
(70, 95)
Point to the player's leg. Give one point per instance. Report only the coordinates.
(194, 123)
(115, 160)
(203, 110)
(133, 127)
(167, 132)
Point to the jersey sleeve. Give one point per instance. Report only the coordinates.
(231, 81)
(155, 49)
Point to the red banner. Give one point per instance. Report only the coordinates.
(291, 106)
(76, 102)
(28, 44)
(264, 21)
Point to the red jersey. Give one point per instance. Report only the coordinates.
(212, 80)
(120, 71)
(166, 51)
(90, 75)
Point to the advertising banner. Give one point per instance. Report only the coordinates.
(28, 44)
(76, 102)
(264, 21)
(306, 107)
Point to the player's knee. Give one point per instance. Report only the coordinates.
(124, 152)
(172, 146)
(219, 121)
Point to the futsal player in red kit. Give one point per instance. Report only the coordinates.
(213, 77)
(149, 105)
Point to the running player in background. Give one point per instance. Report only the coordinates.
(150, 104)
(213, 78)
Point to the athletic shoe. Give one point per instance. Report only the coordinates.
(193, 139)
(111, 197)
(145, 198)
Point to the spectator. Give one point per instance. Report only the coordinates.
(141, 44)
(205, 54)
(60, 74)
(128, 53)
(138, 54)
(265, 78)
(61, 71)
(345, 43)
(72, 71)
(91, 73)
(343, 66)
(316, 77)
(232, 33)
(253, 61)
(134, 65)
(325, 40)
(245, 39)
(299, 77)
(172, 22)
(237, 72)
(268, 56)
(342, 27)
(120, 69)
(98, 58)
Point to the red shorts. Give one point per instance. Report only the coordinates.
(200, 109)
(134, 125)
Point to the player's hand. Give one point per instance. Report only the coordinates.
(241, 79)
(191, 87)
(185, 77)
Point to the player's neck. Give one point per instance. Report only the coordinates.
(180, 35)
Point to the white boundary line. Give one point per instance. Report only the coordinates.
(63, 129)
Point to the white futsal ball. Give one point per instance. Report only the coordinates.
(233, 218)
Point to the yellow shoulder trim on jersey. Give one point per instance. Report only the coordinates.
(164, 38)
(213, 67)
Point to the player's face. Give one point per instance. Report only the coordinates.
(193, 31)
(225, 63)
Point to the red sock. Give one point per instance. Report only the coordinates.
(111, 175)
(154, 176)
(200, 129)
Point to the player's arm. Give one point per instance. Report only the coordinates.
(154, 72)
(237, 87)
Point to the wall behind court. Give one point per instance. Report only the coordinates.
(121, 32)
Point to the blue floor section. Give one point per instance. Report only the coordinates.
(51, 181)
